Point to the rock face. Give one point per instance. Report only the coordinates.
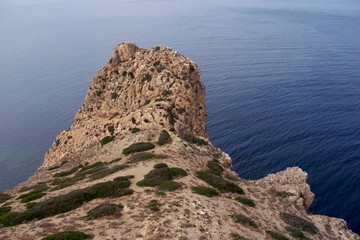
(137, 88)
(137, 164)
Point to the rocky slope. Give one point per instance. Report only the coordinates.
(137, 164)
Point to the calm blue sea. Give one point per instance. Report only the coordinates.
(282, 78)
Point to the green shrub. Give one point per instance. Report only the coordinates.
(104, 209)
(114, 95)
(67, 202)
(164, 138)
(160, 193)
(168, 185)
(166, 93)
(131, 74)
(239, 218)
(106, 140)
(107, 171)
(66, 173)
(160, 165)
(154, 205)
(191, 138)
(4, 210)
(37, 187)
(146, 78)
(135, 130)
(124, 73)
(245, 201)
(55, 167)
(4, 197)
(33, 195)
(187, 86)
(30, 205)
(276, 235)
(218, 182)
(138, 147)
(115, 160)
(299, 222)
(206, 191)
(156, 63)
(215, 168)
(296, 233)
(68, 235)
(177, 172)
(94, 165)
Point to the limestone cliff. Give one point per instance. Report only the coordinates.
(137, 164)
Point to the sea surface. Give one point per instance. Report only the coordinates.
(282, 79)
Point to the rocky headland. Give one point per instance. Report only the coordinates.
(137, 164)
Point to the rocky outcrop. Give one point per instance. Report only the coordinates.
(137, 88)
(137, 164)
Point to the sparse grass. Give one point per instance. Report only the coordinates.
(68, 235)
(276, 235)
(206, 191)
(55, 167)
(191, 138)
(138, 147)
(296, 233)
(104, 209)
(236, 236)
(215, 168)
(67, 173)
(164, 138)
(67, 202)
(239, 218)
(106, 140)
(154, 205)
(142, 156)
(218, 182)
(245, 201)
(299, 222)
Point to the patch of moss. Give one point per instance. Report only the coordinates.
(299, 222)
(218, 182)
(276, 235)
(67, 202)
(164, 138)
(138, 147)
(245, 201)
(68, 235)
(296, 233)
(104, 209)
(239, 218)
(205, 191)
(106, 140)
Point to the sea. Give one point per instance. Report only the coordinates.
(282, 80)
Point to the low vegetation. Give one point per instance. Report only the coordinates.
(236, 236)
(218, 182)
(191, 138)
(68, 235)
(135, 130)
(67, 173)
(56, 167)
(67, 202)
(205, 191)
(299, 222)
(106, 140)
(4, 197)
(284, 194)
(104, 209)
(138, 147)
(33, 195)
(296, 233)
(164, 138)
(161, 176)
(215, 167)
(4, 210)
(276, 235)
(245, 201)
(154, 205)
(240, 218)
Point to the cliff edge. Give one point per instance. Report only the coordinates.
(137, 164)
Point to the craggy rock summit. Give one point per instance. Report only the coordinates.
(137, 164)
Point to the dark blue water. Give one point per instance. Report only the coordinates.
(282, 78)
